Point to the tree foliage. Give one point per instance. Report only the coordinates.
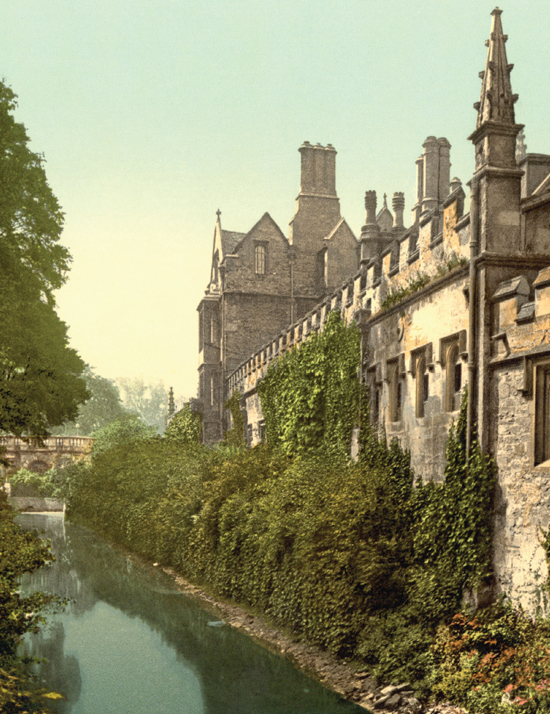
(40, 383)
(124, 430)
(103, 407)
(148, 401)
(185, 428)
(20, 552)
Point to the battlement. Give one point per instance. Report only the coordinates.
(408, 265)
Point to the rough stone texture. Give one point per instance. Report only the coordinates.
(243, 307)
(487, 323)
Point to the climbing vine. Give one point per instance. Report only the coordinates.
(310, 397)
(362, 558)
(235, 435)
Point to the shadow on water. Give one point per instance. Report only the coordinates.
(130, 642)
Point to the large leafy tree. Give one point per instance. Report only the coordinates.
(40, 375)
(103, 407)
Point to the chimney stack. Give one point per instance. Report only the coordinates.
(398, 205)
(318, 171)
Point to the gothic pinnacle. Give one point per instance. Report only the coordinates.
(496, 102)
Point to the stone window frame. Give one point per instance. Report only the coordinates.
(452, 355)
(213, 328)
(420, 367)
(541, 426)
(395, 372)
(260, 258)
(201, 329)
(322, 268)
(453, 377)
(422, 386)
(375, 383)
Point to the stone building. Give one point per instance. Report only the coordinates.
(456, 299)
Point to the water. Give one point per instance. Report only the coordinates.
(130, 643)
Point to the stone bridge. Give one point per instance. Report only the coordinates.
(39, 457)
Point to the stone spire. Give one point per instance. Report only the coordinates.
(497, 174)
(496, 102)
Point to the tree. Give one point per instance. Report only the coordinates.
(148, 401)
(40, 382)
(103, 406)
(121, 431)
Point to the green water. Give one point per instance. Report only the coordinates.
(129, 643)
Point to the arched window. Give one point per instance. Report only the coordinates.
(422, 385)
(260, 255)
(396, 391)
(453, 378)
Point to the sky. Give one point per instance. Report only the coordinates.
(152, 114)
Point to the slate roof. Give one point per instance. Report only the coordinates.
(230, 240)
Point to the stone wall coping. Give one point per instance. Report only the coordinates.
(542, 279)
(508, 288)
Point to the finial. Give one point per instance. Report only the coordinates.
(385, 200)
(496, 102)
(218, 213)
(521, 146)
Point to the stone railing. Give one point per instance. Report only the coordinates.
(53, 443)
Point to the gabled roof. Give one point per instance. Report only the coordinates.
(265, 218)
(341, 222)
(543, 187)
(384, 217)
(230, 240)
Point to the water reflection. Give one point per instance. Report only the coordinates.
(129, 642)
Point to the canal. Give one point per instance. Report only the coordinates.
(129, 642)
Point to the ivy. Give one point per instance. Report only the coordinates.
(362, 558)
(235, 435)
(185, 427)
(310, 397)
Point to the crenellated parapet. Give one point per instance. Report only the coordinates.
(396, 271)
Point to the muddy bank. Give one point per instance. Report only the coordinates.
(338, 675)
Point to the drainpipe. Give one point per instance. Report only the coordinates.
(472, 346)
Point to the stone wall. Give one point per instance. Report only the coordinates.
(523, 495)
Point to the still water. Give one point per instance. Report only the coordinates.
(130, 643)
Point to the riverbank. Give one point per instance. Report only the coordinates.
(340, 676)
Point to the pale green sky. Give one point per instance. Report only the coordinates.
(154, 113)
